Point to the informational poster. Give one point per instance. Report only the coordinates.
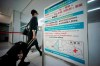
(65, 31)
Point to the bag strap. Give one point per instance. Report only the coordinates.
(27, 25)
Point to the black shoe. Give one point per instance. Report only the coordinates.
(40, 53)
(24, 64)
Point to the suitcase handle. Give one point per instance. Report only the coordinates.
(31, 41)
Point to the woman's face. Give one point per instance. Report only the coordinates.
(36, 15)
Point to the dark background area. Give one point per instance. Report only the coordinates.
(95, 15)
(4, 28)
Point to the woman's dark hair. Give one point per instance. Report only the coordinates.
(33, 12)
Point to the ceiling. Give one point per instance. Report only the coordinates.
(7, 7)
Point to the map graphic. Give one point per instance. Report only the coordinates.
(73, 48)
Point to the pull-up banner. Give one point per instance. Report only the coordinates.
(65, 31)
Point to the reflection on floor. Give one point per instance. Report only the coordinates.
(33, 57)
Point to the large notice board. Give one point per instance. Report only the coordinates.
(65, 31)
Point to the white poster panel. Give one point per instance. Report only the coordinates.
(65, 31)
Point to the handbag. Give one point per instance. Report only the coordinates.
(26, 30)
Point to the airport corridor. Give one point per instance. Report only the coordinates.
(63, 32)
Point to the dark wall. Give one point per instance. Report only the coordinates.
(95, 15)
(4, 28)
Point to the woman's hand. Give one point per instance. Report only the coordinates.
(34, 37)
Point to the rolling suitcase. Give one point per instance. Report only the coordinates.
(11, 57)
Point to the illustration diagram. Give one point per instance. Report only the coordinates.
(73, 48)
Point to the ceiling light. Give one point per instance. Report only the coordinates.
(94, 9)
(89, 1)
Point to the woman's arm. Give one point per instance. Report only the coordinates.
(34, 26)
(34, 36)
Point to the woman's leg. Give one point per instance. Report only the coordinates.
(37, 46)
